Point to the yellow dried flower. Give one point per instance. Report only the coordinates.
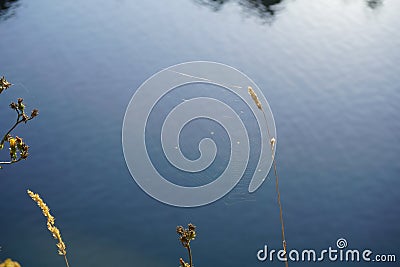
(12, 142)
(62, 250)
(10, 263)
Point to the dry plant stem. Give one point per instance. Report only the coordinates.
(277, 191)
(190, 255)
(280, 211)
(185, 236)
(13, 127)
(66, 260)
(17, 146)
(10, 162)
(272, 143)
(20, 148)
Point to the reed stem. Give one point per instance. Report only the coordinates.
(272, 143)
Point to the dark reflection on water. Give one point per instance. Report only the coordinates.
(215, 5)
(7, 8)
(374, 3)
(264, 9)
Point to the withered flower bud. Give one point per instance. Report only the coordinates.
(179, 230)
(34, 113)
(24, 154)
(21, 105)
(191, 227)
(18, 139)
(13, 105)
(4, 84)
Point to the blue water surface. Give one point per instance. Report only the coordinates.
(329, 69)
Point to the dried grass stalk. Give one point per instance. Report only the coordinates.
(255, 97)
(62, 249)
(272, 142)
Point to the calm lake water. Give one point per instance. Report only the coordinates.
(329, 69)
